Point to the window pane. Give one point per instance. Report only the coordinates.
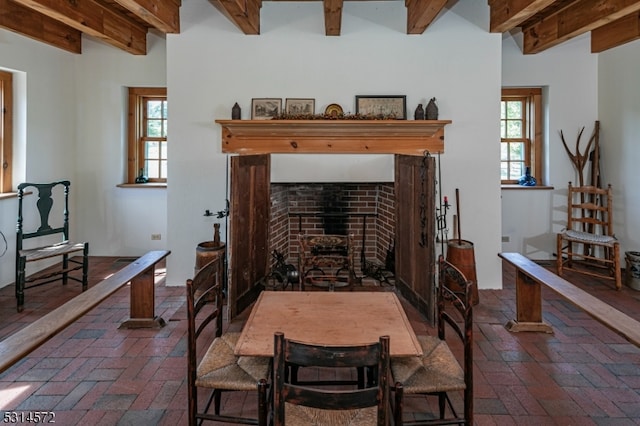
(152, 169)
(155, 109)
(516, 170)
(163, 169)
(514, 109)
(504, 170)
(516, 151)
(163, 150)
(514, 129)
(503, 110)
(154, 128)
(503, 129)
(504, 151)
(152, 150)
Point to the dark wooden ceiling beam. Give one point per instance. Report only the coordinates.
(245, 14)
(578, 18)
(420, 13)
(161, 14)
(37, 26)
(92, 18)
(616, 33)
(332, 17)
(506, 15)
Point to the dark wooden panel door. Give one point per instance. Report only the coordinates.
(415, 231)
(249, 229)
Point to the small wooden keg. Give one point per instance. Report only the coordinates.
(460, 253)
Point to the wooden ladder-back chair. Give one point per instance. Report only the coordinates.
(62, 247)
(588, 245)
(326, 261)
(303, 405)
(437, 371)
(215, 368)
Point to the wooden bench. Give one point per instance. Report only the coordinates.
(529, 278)
(140, 273)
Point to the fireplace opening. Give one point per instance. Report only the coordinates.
(365, 210)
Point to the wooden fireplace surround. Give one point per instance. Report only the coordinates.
(410, 137)
(409, 140)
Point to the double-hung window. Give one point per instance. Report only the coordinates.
(520, 133)
(147, 134)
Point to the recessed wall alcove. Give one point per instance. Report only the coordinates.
(252, 216)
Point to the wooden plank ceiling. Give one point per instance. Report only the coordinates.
(125, 23)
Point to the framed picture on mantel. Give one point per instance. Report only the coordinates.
(382, 106)
(265, 108)
(300, 106)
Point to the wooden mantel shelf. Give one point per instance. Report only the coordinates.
(411, 137)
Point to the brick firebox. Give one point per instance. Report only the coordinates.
(334, 208)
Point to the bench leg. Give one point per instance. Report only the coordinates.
(142, 309)
(528, 306)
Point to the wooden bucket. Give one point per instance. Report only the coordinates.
(209, 251)
(461, 255)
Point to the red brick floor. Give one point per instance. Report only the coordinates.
(94, 373)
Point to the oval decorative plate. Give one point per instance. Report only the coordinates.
(333, 109)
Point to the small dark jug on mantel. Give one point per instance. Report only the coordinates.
(432, 110)
(235, 112)
(419, 114)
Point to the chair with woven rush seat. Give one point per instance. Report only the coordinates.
(47, 192)
(588, 245)
(295, 404)
(219, 369)
(438, 371)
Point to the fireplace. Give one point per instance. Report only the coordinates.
(365, 210)
(264, 219)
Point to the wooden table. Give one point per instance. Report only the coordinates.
(331, 318)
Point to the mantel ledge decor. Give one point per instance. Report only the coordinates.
(410, 137)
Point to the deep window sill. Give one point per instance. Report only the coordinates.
(142, 185)
(8, 195)
(528, 188)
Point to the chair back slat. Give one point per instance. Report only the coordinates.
(204, 291)
(590, 209)
(309, 355)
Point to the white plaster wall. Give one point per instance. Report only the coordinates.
(211, 65)
(569, 75)
(44, 128)
(619, 110)
(115, 221)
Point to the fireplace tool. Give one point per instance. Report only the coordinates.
(373, 269)
(282, 273)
